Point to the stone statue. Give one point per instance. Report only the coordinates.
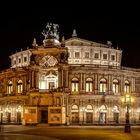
(51, 31)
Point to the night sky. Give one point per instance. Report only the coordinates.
(20, 26)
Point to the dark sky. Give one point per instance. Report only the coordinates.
(122, 27)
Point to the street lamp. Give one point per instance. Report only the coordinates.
(127, 101)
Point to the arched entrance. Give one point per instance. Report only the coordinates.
(89, 114)
(18, 110)
(102, 114)
(75, 114)
(115, 114)
(8, 115)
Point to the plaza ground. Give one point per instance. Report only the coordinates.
(72, 132)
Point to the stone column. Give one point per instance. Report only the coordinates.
(62, 81)
(59, 78)
(32, 79)
(14, 84)
(122, 85)
(80, 84)
(133, 86)
(109, 84)
(96, 84)
(67, 79)
(36, 79)
(24, 84)
(84, 83)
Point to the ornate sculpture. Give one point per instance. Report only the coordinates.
(51, 31)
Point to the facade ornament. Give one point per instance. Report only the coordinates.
(74, 34)
(34, 44)
(51, 31)
(109, 43)
(63, 42)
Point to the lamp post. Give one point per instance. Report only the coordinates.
(127, 101)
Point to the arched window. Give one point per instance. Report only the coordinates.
(89, 85)
(89, 107)
(103, 85)
(74, 107)
(127, 87)
(10, 87)
(19, 86)
(42, 82)
(115, 86)
(75, 85)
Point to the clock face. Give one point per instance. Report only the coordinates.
(48, 61)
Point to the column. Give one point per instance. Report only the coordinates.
(59, 77)
(67, 79)
(109, 84)
(80, 84)
(96, 84)
(14, 83)
(32, 79)
(36, 79)
(122, 85)
(62, 80)
(84, 84)
(24, 84)
(133, 86)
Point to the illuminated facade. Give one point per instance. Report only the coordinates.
(74, 81)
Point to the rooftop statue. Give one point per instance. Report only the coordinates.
(51, 31)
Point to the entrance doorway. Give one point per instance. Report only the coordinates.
(116, 117)
(116, 114)
(102, 114)
(102, 118)
(44, 116)
(75, 117)
(89, 116)
(8, 117)
(18, 117)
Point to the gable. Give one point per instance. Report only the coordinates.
(82, 42)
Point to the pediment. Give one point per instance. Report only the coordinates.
(81, 42)
(77, 42)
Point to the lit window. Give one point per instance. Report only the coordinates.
(75, 85)
(42, 84)
(19, 86)
(89, 85)
(14, 62)
(10, 87)
(25, 59)
(112, 57)
(105, 56)
(103, 85)
(19, 60)
(77, 54)
(115, 86)
(127, 87)
(86, 54)
(74, 107)
(96, 55)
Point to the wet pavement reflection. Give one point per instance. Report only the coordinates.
(8, 136)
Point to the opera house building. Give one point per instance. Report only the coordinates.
(72, 81)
